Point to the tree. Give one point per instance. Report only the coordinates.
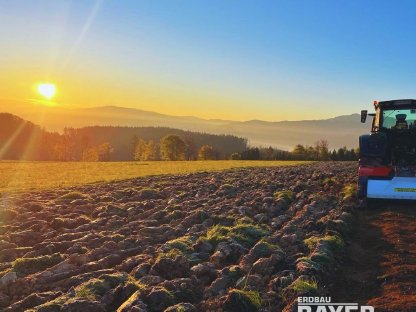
(150, 151)
(191, 148)
(283, 155)
(269, 153)
(139, 150)
(68, 142)
(207, 152)
(235, 156)
(64, 149)
(133, 143)
(172, 147)
(299, 152)
(104, 151)
(59, 152)
(334, 155)
(311, 153)
(322, 150)
(251, 154)
(85, 147)
(341, 153)
(90, 154)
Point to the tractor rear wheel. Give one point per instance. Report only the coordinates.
(368, 203)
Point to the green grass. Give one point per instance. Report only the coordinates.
(286, 196)
(93, 290)
(183, 243)
(335, 242)
(26, 266)
(172, 254)
(97, 287)
(246, 234)
(243, 300)
(264, 248)
(305, 286)
(311, 242)
(349, 191)
(72, 196)
(32, 176)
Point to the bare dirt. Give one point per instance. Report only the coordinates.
(239, 240)
(380, 267)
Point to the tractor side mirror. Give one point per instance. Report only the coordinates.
(364, 116)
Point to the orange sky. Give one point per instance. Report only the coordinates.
(77, 89)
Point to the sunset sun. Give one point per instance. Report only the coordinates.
(47, 90)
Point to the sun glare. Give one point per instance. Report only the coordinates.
(47, 90)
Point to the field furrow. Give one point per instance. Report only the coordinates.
(238, 240)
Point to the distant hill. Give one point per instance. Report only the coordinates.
(339, 131)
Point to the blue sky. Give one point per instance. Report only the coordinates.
(241, 60)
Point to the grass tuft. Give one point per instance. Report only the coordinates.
(246, 234)
(336, 243)
(311, 242)
(264, 248)
(95, 288)
(330, 181)
(302, 286)
(349, 192)
(184, 244)
(27, 266)
(242, 300)
(72, 196)
(286, 197)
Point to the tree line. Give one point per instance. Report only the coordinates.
(320, 151)
(172, 147)
(20, 139)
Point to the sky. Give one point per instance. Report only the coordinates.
(237, 60)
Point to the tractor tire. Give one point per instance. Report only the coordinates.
(368, 204)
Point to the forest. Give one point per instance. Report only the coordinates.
(23, 140)
(319, 151)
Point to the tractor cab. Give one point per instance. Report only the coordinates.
(388, 153)
(392, 115)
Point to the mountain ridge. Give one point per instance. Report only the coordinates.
(130, 109)
(339, 130)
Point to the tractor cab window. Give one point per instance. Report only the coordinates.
(399, 119)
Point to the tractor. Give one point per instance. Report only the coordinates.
(387, 164)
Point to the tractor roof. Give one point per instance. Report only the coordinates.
(397, 103)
